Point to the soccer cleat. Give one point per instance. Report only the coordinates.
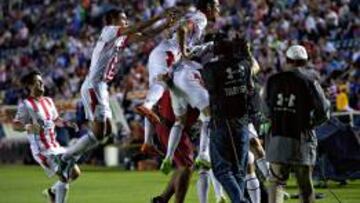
(222, 199)
(148, 113)
(203, 161)
(157, 199)
(49, 195)
(151, 150)
(286, 195)
(166, 166)
(65, 167)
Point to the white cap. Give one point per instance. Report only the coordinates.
(297, 52)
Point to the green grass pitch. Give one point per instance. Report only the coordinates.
(23, 184)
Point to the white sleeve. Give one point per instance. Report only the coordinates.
(108, 33)
(22, 114)
(54, 109)
(252, 131)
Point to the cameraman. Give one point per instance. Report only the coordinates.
(296, 104)
(228, 80)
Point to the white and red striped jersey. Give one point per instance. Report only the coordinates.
(43, 112)
(105, 56)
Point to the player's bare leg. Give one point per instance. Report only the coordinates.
(182, 184)
(169, 190)
(178, 186)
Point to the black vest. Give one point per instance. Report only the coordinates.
(289, 99)
(227, 81)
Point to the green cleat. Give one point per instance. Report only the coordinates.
(222, 199)
(166, 166)
(203, 163)
(49, 195)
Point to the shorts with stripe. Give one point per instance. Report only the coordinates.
(188, 90)
(95, 98)
(47, 160)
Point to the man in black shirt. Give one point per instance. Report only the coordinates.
(296, 104)
(228, 80)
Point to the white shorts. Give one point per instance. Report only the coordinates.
(251, 158)
(48, 161)
(252, 131)
(155, 70)
(162, 58)
(95, 98)
(188, 89)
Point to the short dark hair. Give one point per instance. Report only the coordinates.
(241, 46)
(28, 78)
(231, 48)
(203, 4)
(223, 47)
(112, 13)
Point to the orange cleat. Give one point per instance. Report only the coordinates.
(148, 113)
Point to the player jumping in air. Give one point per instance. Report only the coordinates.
(162, 59)
(114, 38)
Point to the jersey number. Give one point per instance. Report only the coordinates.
(110, 70)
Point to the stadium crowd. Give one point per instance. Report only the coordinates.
(57, 38)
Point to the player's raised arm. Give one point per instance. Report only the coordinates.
(141, 26)
(182, 35)
(150, 33)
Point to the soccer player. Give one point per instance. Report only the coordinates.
(187, 90)
(115, 37)
(168, 53)
(38, 116)
(183, 158)
(251, 180)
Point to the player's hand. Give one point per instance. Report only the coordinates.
(163, 77)
(33, 128)
(186, 54)
(173, 13)
(72, 125)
